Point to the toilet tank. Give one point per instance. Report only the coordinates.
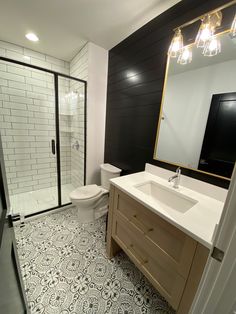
(108, 172)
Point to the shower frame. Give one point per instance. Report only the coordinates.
(56, 76)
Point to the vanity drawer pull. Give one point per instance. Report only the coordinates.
(145, 228)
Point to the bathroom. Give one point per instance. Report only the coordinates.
(117, 174)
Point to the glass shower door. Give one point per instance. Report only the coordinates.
(27, 124)
(72, 109)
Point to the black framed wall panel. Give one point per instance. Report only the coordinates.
(135, 81)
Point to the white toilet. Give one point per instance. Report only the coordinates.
(92, 200)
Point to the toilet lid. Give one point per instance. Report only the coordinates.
(85, 192)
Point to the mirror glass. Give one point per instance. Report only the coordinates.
(197, 123)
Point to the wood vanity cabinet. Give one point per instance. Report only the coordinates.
(171, 260)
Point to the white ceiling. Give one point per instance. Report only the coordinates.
(64, 26)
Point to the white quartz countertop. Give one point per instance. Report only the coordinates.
(198, 222)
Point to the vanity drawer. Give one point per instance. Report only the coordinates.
(129, 241)
(176, 244)
(153, 263)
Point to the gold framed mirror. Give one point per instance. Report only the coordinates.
(197, 121)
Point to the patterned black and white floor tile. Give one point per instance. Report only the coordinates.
(65, 270)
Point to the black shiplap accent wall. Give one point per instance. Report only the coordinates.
(133, 103)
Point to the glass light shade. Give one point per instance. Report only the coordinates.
(74, 95)
(204, 34)
(212, 47)
(185, 56)
(176, 44)
(233, 27)
(71, 96)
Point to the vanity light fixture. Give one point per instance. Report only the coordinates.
(176, 44)
(185, 56)
(212, 47)
(233, 27)
(206, 37)
(71, 96)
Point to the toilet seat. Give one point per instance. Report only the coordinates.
(86, 192)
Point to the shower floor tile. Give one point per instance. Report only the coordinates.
(65, 270)
(35, 201)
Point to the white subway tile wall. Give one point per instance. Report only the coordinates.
(79, 69)
(27, 119)
(65, 135)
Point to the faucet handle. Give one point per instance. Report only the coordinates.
(178, 170)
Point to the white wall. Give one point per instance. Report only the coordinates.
(186, 107)
(27, 120)
(91, 64)
(96, 110)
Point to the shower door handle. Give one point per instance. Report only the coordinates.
(53, 147)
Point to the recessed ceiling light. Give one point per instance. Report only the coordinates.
(32, 37)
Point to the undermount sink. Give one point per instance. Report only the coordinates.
(167, 198)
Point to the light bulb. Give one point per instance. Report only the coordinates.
(205, 32)
(207, 29)
(71, 96)
(185, 56)
(212, 47)
(176, 44)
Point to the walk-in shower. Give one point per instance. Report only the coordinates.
(43, 130)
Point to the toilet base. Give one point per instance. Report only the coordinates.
(90, 214)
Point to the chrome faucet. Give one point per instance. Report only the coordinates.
(176, 178)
